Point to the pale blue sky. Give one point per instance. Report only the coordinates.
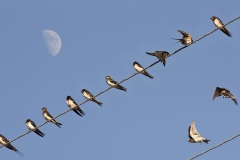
(100, 38)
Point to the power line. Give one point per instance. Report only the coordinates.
(24, 134)
(228, 140)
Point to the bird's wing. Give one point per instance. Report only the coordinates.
(217, 92)
(185, 34)
(90, 94)
(193, 130)
(33, 124)
(112, 81)
(189, 130)
(234, 100)
(49, 115)
(230, 95)
(4, 139)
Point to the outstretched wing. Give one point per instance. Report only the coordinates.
(193, 131)
(217, 92)
(228, 94)
(189, 130)
(185, 34)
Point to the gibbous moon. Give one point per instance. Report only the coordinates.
(53, 41)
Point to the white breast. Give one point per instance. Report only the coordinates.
(86, 95)
(47, 117)
(71, 104)
(109, 82)
(30, 126)
(139, 69)
(217, 23)
(2, 142)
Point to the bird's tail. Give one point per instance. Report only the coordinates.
(76, 111)
(150, 53)
(99, 103)
(58, 124)
(206, 140)
(147, 74)
(19, 153)
(40, 133)
(122, 88)
(81, 111)
(178, 40)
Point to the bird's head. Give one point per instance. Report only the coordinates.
(191, 140)
(213, 18)
(44, 109)
(107, 77)
(28, 120)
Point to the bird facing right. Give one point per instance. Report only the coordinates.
(161, 55)
(225, 93)
(186, 39)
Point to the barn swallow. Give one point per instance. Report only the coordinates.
(32, 126)
(114, 84)
(90, 97)
(74, 106)
(194, 136)
(186, 39)
(49, 117)
(218, 23)
(140, 69)
(161, 55)
(225, 93)
(5, 142)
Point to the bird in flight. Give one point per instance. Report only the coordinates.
(225, 93)
(218, 23)
(49, 117)
(186, 39)
(114, 84)
(194, 136)
(161, 55)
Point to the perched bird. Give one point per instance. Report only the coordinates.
(140, 69)
(113, 83)
(32, 126)
(49, 117)
(6, 143)
(161, 55)
(186, 39)
(90, 97)
(74, 106)
(218, 23)
(225, 93)
(194, 136)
